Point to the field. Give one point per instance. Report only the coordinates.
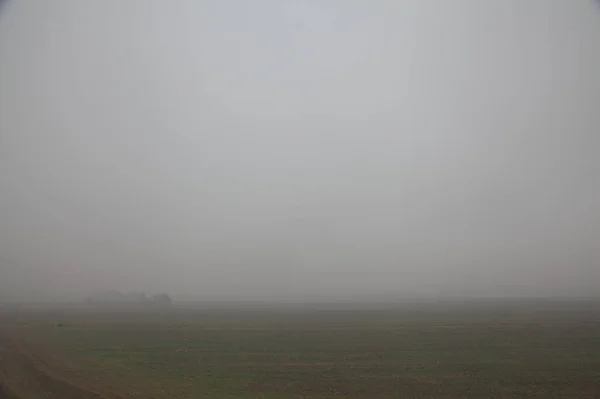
(505, 349)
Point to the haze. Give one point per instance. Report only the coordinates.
(297, 150)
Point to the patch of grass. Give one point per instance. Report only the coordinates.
(394, 353)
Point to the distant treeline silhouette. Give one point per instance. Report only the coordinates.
(113, 297)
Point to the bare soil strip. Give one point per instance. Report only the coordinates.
(27, 371)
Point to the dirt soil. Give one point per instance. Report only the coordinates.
(28, 371)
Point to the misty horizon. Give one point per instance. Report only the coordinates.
(299, 150)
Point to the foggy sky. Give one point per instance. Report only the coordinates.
(300, 148)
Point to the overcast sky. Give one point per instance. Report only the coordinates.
(300, 149)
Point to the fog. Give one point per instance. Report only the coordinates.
(299, 149)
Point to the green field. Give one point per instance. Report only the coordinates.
(508, 350)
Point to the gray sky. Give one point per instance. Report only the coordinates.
(300, 148)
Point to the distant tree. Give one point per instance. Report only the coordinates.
(135, 297)
(162, 299)
(116, 298)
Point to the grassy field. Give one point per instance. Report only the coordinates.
(507, 350)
